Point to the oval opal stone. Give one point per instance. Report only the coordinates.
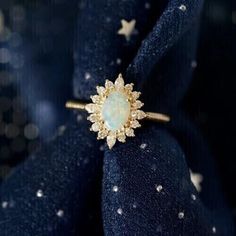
(115, 110)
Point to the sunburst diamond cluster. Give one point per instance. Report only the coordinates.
(115, 111)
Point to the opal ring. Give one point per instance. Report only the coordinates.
(115, 111)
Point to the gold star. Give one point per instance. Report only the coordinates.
(196, 179)
(127, 29)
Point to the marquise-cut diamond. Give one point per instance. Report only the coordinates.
(91, 108)
(111, 140)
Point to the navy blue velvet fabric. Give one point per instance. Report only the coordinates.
(74, 185)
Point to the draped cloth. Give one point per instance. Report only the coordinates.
(75, 185)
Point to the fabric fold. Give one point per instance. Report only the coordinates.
(147, 190)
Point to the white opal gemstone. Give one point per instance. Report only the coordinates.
(115, 110)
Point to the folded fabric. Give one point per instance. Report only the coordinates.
(74, 185)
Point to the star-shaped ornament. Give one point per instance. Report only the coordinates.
(196, 179)
(127, 29)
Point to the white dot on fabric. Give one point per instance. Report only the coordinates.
(159, 188)
(39, 193)
(143, 145)
(193, 196)
(118, 61)
(61, 130)
(213, 229)
(119, 211)
(87, 76)
(60, 213)
(181, 215)
(4, 204)
(115, 188)
(182, 7)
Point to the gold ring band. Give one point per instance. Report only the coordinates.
(154, 116)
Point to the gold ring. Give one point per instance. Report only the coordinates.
(115, 111)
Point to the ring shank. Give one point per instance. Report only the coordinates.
(157, 117)
(149, 115)
(75, 105)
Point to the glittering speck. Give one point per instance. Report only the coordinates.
(182, 7)
(181, 215)
(213, 229)
(60, 213)
(194, 64)
(159, 188)
(193, 196)
(143, 145)
(115, 188)
(118, 61)
(79, 118)
(102, 148)
(61, 130)
(134, 205)
(87, 76)
(86, 161)
(39, 193)
(119, 211)
(4, 204)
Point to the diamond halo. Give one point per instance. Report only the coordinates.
(115, 111)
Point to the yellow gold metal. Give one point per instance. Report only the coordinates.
(75, 105)
(159, 117)
(123, 128)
